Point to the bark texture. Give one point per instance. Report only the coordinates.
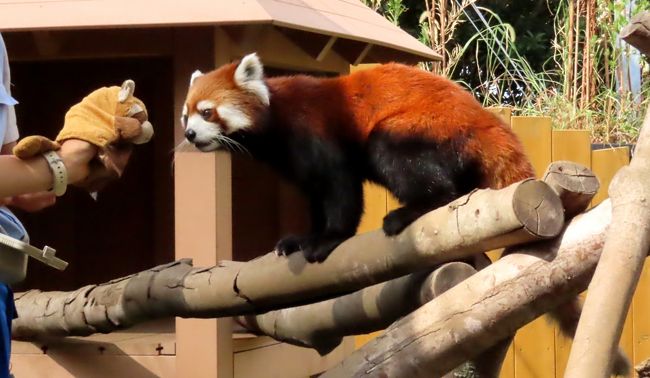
(487, 307)
(619, 269)
(479, 221)
(322, 325)
(575, 184)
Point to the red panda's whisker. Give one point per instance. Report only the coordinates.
(232, 144)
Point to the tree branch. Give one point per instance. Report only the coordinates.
(619, 269)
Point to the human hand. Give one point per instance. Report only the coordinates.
(108, 165)
(92, 168)
(32, 202)
(77, 155)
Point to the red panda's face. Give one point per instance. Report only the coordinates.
(227, 100)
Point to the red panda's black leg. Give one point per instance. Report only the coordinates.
(397, 220)
(422, 173)
(336, 207)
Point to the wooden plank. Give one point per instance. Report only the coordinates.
(534, 345)
(375, 202)
(535, 350)
(605, 163)
(562, 349)
(277, 50)
(535, 134)
(504, 112)
(508, 367)
(640, 316)
(392, 203)
(68, 365)
(374, 207)
(285, 361)
(572, 145)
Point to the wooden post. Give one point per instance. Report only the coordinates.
(203, 218)
(619, 268)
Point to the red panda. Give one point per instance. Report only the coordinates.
(420, 135)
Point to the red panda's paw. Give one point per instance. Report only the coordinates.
(321, 247)
(397, 220)
(315, 248)
(289, 245)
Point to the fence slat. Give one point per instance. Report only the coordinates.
(605, 163)
(535, 134)
(640, 315)
(375, 202)
(572, 145)
(534, 345)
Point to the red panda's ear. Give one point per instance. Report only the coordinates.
(196, 74)
(249, 69)
(249, 76)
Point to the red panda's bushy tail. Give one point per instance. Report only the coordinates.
(502, 156)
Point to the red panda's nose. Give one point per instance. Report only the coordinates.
(190, 134)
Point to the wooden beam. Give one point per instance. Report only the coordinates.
(90, 44)
(326, 49)
(282, 48)
(363, 54)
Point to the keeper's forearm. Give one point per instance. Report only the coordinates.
(23, 176)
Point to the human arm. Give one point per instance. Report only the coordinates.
(33, 175)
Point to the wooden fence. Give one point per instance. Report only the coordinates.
(539, 350)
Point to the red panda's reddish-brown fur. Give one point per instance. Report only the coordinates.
(375, 97)
(421, 136)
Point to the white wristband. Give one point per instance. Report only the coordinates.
(59, 173)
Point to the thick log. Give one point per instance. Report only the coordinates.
(479, 221)
(575, 184)
(637, 32)
(619, 269)
(322, 325)
(487, 307)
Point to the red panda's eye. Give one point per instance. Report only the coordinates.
(206, 114)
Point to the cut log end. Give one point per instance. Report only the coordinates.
(444, 278)
(637, 32)
(574, 183)
(538, 208)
